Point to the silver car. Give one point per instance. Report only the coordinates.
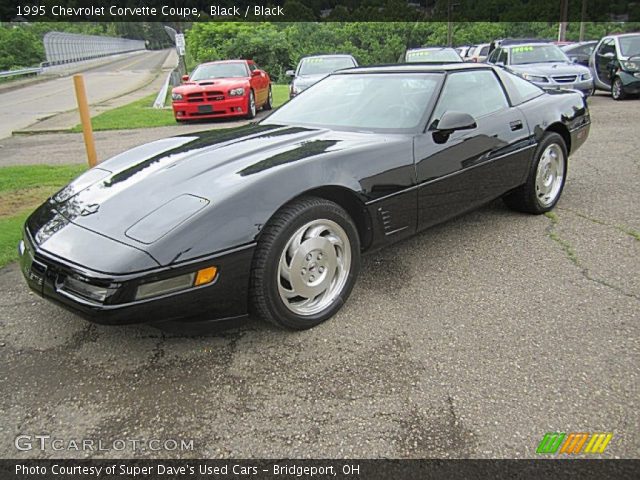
(312, 69)
(545, 65)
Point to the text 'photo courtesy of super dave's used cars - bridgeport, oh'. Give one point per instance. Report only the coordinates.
(271, 218)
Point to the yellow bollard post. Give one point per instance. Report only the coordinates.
(85, 120)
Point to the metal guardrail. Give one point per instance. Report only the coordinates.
(61, 47)
(23, 71)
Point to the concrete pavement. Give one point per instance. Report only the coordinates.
(472, 339)
(30, 104)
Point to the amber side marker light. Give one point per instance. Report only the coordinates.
(205, 275)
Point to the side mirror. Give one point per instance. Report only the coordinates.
(290, 73)
(450, 122)
(256, 73)
(609, 55)
(185, 78)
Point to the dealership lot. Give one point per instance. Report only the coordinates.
(472, 339)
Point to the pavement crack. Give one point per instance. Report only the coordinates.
(621, 228)
(570, 252)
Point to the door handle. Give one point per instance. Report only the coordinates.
(515, 125)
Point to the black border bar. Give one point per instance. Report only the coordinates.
(338, 469)
(301, 10)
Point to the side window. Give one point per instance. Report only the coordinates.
(502, 57)
(493, 58)
(607, 47)
(484, 51)
(253, 66)
(460, 94)
(583, 50)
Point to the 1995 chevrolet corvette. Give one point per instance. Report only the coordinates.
(271, 218)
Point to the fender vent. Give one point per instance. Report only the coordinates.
(388, 224)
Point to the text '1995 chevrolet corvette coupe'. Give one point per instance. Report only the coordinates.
(271, 218)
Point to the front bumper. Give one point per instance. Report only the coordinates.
(585, 87)
(229, 107)
(630, 82)
(223, 299)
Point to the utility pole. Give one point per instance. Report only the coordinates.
(583, 14)
(564, 13)
(450, 7)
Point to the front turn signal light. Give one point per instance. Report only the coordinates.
(205, 275)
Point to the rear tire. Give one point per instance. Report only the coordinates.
(305, 265)
(545, 180)
(268, 105)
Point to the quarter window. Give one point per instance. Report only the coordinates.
(476, 92)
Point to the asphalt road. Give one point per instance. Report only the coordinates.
(26, 105)
(472, 339)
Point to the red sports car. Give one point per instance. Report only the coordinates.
(222, 89)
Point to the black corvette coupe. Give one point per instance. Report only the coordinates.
(271, 218)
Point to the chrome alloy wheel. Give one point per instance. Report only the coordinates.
(549, 175)
(616, 89)
(252, 104)
(314, 267)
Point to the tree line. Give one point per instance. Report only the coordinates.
(277, 47)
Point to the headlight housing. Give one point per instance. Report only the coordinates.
(631, 66)
(535, 78)
(77, 286)
(585, 76)
(236, 92)
(176, 96)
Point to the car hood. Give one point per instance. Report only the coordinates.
(211, 84)
(140, 196)
(305, 81)
(548, 69)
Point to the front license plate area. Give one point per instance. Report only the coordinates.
(205, 109)
(33, 270)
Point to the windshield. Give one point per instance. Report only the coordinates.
(432, 55)
(537, 54)
(630, 46)
(372, 102)
(220, 70)
(320, 65)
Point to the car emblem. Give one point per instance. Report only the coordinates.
(89, 209)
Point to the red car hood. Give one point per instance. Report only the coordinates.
(212, 84)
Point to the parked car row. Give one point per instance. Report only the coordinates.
(610, 64)
(239, 88)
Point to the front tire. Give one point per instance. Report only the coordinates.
(305, 265)
(617, 89)
(251, 105)
(546, 178)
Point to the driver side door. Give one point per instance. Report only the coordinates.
(472, 166)
(604, 56)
